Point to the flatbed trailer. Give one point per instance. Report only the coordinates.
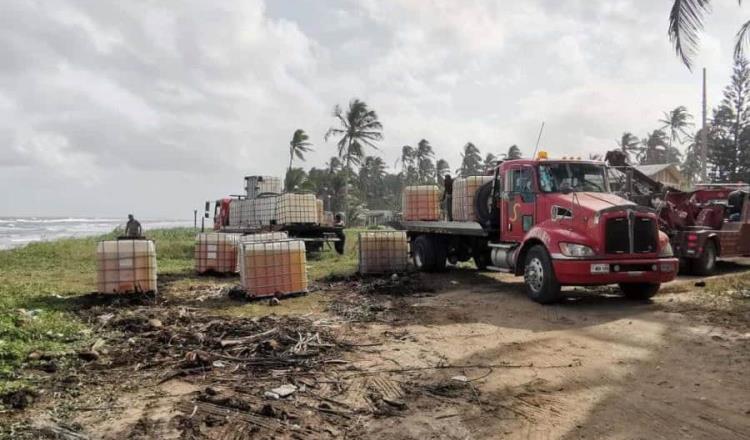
(314, 235)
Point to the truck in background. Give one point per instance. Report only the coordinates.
(314, 234)
(704, 225)
(556, 223)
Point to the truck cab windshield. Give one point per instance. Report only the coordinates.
(572, 176)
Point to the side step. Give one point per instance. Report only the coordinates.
(499, 269)
(506, 246)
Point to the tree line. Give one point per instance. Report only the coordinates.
(677, 140)
(356, 177)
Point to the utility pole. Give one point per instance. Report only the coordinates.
(704, 135)
(195, 219)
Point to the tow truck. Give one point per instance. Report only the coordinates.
(556, 223)
(709, 223)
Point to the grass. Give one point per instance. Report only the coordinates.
(33, 279)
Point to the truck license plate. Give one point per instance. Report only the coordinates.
(600, 268)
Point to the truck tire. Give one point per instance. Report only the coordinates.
(483, 205)
(639, 291)
(706, 263)
(428, 254)
(539, 276)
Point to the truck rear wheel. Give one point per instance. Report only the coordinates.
(706, 263)
(639, 291)
(539, 276)
(429, 254)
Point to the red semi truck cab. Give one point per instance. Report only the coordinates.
(556, 223)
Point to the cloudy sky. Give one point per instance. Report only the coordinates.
(156, 106)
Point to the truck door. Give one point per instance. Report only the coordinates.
(519, 203)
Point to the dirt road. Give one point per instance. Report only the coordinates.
(459, 355)
(603, 367)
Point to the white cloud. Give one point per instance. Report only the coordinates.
(183, 100)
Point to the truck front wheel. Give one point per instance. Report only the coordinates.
(706, 263)
(639, 291)
(539, 276)
(429, 254)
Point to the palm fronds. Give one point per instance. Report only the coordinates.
(685, 23)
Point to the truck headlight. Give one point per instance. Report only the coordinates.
(666, 251)
(576, 250)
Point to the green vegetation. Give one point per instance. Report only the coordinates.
(676, 140)
(37, 282)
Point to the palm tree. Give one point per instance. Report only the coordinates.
(407, 157)
(298, 146)
(686, 21)
(654, 148)
(489, 161)
(371, 176)
(423, 156)
(333, 165)
(360, 128)
(441, 169)
(514, 153)
(295, 179)
(471, 161)
(676, 121)
(629, 144)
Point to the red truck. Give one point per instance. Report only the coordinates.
(314, 235)
(709, 223)
(556, 223)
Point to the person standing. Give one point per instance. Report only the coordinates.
(133, 228)
(448, 197)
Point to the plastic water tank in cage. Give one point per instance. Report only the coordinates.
(126, 266)
(383, 252)
(296, 208)
(464, 192)
(273, 268)
(264, 210)
(257, 185)
(216, 252)
(242, 213)
(259, 237)
(421, 202)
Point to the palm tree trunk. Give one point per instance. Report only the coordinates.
(347, 176)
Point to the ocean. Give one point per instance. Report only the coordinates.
(19, 231)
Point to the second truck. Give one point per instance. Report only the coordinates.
(556, 223)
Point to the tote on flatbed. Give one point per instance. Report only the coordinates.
(421, 202)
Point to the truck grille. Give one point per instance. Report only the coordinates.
(644, 236)
(618, 233)
(616, 236)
